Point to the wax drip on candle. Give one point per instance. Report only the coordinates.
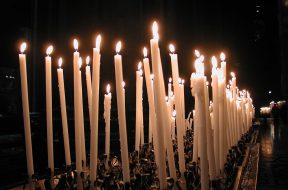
(171, 48)
(166, 99)
(155, 30)
(75, 44)
(118, 47)
(80, 62)
(145, 52)
(199, 66)
(60, 61)
(98, 42)
(23, 47)
(151, 76)
(87, 60)
(49, 50)
(214, 63)
(140, 68)
(108, 89)
(174, 113)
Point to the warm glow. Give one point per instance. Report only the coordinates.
(214, 61)
(232, 74)
(170, 79)
(202, 58)
(174, 113)
(123, 84)
(75, 43)
(98, 41)
(199, 66)
(171, 48)
(155, 30)
(60, 61)
(222, 56)
(139, 66)
(23, 47)
(182, 81)
(145, 52)
(118, 47)
(80, 62)
(49, 50)
(87, 60)
(197, 53)
(108, 89)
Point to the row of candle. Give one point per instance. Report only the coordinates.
(214, 133)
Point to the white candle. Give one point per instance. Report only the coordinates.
(180, 121)
(121, 114)
(77, 108)
(159, 95)
(139, 110)
(26, 113)
(49, 119)
(170, 88)
(95, 111)
(89, 88)
(107, 111)
(63, 113)
(173, 124)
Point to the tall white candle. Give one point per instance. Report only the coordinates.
(49, 119)
(107, 110)
(77, 108)
(159, 95)
(95, 110)
(63, 113)
(26, 113)
(139, 110)
(121, 114)
(89, 88)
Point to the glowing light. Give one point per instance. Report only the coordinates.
(222, 56)
(75, 43)
(182, 81)
(214, 61)
(202, 58)
(155, 30)
(232, 74)
(139, 66)
(270, 92)
(60, 61)
(108, 88)
(87, 60)
(197, 53)
(174, 113)
(49, 50)
(123, 84)
(23, 47)
(151, 76)
(145, 52)
(80, 62)
(170, 79)
(171, 48)
(118, 47)
(98, 42)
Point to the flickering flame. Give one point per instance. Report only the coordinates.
(222, 56)
(75, 43)
(60, 61)
(151, 76)
(171, 48)
(139, 65)
(232, 74)
(23, 47)
(123, 84)
(87, 60)
(98, 42)
(118, 47)
(49, 50)
(174, 113)
(170, 79)
(145, 52)
(80, 62)
(214, 61)
(197, 53)
(155, 30)
(108, 88)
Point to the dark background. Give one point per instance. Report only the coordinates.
(253, 35)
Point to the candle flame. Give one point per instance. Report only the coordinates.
(151, 76)
(49, 50)
(145, 52)
(171, 48)
(232, 74)
(108, 88)
(75, 43)
(155, 30)
(23, 47)
(118, 47)
(170, 79)
(80, 62)
(98, 42)
(214, 61)
(222, 56)
(139, 65)
(197, 53)
(87, 60)
(174, 113)
(123, 84)
(60, 61)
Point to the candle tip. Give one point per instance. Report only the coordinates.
(87, 60)
(170, 79)
(60, 61)
(98, 42)
(214, 61)
(75, 43)
(145, 52)
(222, 56)
(23, 47)
(118, 47)
(171, 48)
(202, 58)
(49, 50)
(108, 89)
(232, 74)
(155, 30)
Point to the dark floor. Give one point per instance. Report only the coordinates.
(273, 162)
